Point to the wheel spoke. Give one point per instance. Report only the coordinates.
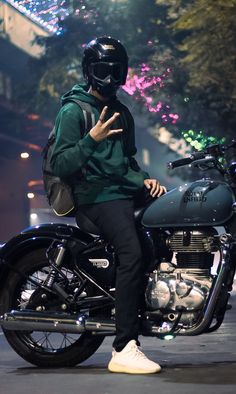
(47, 341)
(38, 341)
(67, 340)
(53, 342)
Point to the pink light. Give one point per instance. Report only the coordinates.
(145, 68)
(142, 87)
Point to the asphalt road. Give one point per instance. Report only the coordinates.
(205, 364)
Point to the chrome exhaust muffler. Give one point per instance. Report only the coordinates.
(27, 320)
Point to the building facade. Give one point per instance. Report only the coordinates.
(20, 132)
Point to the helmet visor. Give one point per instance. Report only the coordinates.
(102, 70)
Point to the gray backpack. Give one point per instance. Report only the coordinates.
(58, 191)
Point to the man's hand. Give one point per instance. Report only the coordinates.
(102, 129)
(156, 190)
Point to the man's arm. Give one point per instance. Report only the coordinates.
(71, 151)
(130, 147)
(156, 190)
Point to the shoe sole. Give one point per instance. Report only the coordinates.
(122, 369)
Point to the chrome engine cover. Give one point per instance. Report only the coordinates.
(171, 288)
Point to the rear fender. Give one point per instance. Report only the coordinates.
(36, 237)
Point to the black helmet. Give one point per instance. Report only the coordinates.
(105, 65)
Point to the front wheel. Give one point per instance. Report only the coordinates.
(43, 349)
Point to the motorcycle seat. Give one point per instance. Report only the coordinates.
(86, 225)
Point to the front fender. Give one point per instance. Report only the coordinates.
(34, 237)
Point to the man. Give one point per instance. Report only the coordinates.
(110, 183)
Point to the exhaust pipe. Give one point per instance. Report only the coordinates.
(27, 320)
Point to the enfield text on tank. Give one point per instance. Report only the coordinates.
(57, 281)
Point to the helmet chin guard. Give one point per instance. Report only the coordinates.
(106, 88)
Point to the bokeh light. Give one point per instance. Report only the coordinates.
(141, 85)
(45, 13)
(199, 140)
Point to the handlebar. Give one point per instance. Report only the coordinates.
(210, 154)
(187, 160)
(179, 163)
(210, 158)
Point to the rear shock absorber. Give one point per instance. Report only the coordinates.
(55, 263)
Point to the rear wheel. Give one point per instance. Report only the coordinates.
(44, 349)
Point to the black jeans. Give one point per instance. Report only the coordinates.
(115, 219)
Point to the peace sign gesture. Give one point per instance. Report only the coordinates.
(102, 129)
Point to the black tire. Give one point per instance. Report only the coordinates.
(80, 346)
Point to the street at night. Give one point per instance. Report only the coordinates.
(192, 365)
(117, 196)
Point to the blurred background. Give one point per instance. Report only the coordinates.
(181, 86)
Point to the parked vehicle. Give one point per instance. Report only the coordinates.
(57, 281)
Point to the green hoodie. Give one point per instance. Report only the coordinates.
(109, 170)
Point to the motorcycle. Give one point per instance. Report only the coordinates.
(57, 281)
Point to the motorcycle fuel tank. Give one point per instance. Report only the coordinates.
(201, 203)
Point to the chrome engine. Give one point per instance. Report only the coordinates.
(171, 288)
(184, 283)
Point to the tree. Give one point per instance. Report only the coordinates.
(177, 54)
(59, 68)
(209, 56)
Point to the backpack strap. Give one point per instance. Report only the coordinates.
(89, 119)
(124, 124)
(89, 116)
(89, 123)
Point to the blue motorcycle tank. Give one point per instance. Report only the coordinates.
(201, 203)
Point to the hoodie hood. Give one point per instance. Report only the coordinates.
(79, 92)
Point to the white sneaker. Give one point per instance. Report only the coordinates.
(132, 360)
